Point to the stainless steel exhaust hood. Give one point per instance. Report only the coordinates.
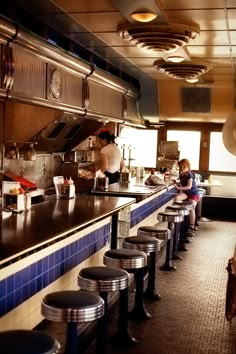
(86, 98)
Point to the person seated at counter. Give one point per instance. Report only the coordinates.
(111, 157)
(188, 190)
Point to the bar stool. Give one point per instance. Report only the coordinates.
(150, 246)
(133, 261)
(105, 280)
(179, 241)
(28, 342)
(73, 307)
(160, 232)
(171, 217)
(189, 205)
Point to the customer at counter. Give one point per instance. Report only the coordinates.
(111, 158)
(188, 191)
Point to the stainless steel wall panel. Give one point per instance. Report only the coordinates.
(73, 90)
(105, 101)
(30, 74)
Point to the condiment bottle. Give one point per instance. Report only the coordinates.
(27, 201)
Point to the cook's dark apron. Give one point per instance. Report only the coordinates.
(112, 177)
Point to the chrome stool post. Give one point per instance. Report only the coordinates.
(171, 217)
(73, 307)
(108, 279)
(149, 245)
(133, 261)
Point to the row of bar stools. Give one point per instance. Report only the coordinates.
(105, 280)
(133, 261)
(73, 307)
(179, 240)
(172, 218)
(22, 341)
(149, 245)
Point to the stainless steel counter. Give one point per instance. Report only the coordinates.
(135, 189)
(53, 219)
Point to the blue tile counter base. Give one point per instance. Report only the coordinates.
(22, 285)
(150, 207)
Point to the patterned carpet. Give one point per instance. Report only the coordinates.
(190, 317)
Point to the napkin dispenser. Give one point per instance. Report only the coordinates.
(11, 197)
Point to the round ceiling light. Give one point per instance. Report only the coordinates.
(143, 16)
(175, 59)
(192, 80)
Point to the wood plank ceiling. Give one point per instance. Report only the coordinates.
(94, 24)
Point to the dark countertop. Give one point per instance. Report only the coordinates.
(52, 219)
(135, 189)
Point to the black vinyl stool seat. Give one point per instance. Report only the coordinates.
(73, 307)
(149, 245)
(160, 232)
(171, 217)
(133, 261)
(109, 279)
(180, 229)
(23, 341)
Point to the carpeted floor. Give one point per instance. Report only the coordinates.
(190, 317)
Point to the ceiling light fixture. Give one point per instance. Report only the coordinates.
(192, 80)
(175, 59)
(143, 16)
(189, 72)
(158, 37)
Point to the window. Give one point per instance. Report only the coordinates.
(189, 145)
(139, 145)
(220, 158)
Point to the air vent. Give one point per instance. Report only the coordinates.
(196, 99)
(72, 132)
(56, 131)
(159, 38)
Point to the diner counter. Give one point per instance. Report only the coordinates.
(53, 219)
(134, 189)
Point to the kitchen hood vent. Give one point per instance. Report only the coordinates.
(44, 75)
(57, 130)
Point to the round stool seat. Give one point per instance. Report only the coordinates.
(170, 216)
(72, 306)
(125, 258)
(179, 208)
(160, 232)
(28, 342)
(185, 203)
(103, 279)
(143, 243)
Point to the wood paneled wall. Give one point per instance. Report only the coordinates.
(170, 105)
